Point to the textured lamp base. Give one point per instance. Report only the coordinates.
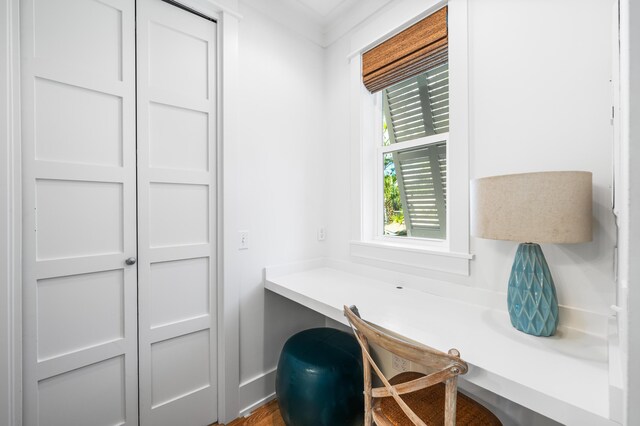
(532, 301)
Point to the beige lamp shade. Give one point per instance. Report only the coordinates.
(545, 207)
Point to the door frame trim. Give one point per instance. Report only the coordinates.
(10, 217)
(11, 204)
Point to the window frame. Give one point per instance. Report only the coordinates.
(367, 242)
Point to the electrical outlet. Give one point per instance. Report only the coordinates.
(399, 364)
(243, 240)
(322, 234)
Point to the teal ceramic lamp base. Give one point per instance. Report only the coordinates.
(531, 298)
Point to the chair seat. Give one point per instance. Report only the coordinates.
(428, 404)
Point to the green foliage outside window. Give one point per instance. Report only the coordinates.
(393, 212)
(392, 202)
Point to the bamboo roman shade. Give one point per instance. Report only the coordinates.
(416, 49)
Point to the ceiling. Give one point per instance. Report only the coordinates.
(321, 21)
(324, 9)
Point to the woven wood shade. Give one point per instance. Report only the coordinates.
(422, 46)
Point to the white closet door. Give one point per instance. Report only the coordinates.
(79, 204)
(176, 190)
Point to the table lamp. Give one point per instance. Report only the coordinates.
(532, 208)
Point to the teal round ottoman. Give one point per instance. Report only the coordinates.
(319, 379)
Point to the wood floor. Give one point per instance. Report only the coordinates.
(267, 415)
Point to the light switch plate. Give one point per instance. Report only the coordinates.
(243, 240)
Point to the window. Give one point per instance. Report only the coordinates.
(412, 71)
(414, 155)
(421, 161)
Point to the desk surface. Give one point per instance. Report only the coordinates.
(564, 377)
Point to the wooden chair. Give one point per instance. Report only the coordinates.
(431, 399)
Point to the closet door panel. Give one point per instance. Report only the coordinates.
(84, 34)
(79, 200)
(169, 124)
(178, 214)
(178, 59)
(189, 278)
(78, 218)
(176, 190)
(180, 366)
(91, 135)
(70, 399)
(79, 312)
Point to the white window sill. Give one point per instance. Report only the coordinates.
(431, 258)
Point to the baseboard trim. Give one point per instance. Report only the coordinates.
(247, 411)
(257, 391)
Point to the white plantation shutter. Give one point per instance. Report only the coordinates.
(438, 89)
(416, 108)
(419, 106)
(421, 175)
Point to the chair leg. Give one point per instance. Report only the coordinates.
(367, 396)
(450, 397)
(368, 415)
(368, 421)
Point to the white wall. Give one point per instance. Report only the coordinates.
(5, 368)
(337, 86)
(540, 99)
(277, 191)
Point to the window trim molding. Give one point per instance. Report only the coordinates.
(365, 243)
(415, 257)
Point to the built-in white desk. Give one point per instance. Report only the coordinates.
(564, 377)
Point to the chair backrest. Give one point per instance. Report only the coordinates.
(446, 366)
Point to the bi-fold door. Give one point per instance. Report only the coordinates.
(108, 340)
(176, 227)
